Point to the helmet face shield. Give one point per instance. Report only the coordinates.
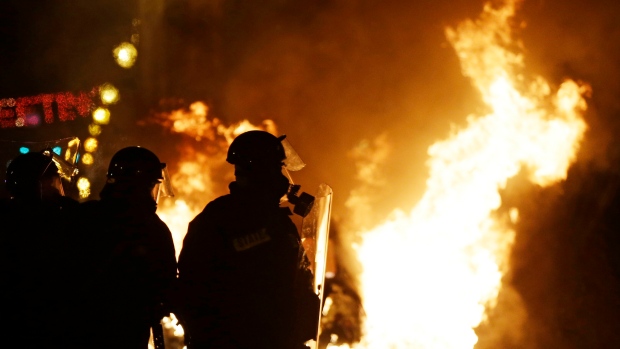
(50, 180)
(52, 185)
(293, 161)
(156, 191)
(66, 169)
(58, 185)
(164, 187)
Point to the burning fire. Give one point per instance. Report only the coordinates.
(449, 252)
(203, 157)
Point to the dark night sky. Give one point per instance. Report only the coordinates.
(332, 74)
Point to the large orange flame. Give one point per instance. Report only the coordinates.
(430, 274)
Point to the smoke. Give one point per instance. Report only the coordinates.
(580, 40)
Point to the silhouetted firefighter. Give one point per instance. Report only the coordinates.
(128, 263)
(33, 264)
(242, 285)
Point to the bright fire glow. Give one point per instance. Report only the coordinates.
(430, 274)
(173, 323)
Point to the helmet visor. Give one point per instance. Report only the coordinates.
(163, 189)
(293, 161)
(166, 184)
(56, 183)
(49, 180)
(66, 169)
(62, 151)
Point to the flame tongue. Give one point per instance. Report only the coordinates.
(448, 252)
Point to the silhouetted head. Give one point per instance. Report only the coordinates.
(33, 176)
(259, 158)
(134, 171)
(257, 150)
(135, 163)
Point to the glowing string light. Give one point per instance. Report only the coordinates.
(125, 54)
(108, 94)
(83, 185)
(88, 159)
(90, 144)
(94, 130)
(101, 116)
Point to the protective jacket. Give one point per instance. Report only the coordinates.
(237, 274)
(127, 268)
(34, 264)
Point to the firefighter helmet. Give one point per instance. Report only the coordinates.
(136, 163)
(140, 165)
(256, 148)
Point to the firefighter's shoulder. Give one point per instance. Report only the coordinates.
(215, 209)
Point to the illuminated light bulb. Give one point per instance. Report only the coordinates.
(24, 150)
(83, 185)
(94, 130)
(88, 159)
(125, 54)
(20, 122)
(57, 150)
(90, 145)
(108, 94)
(101, 116)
